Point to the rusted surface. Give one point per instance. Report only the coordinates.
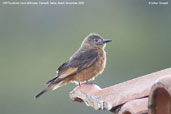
(87, 93)
(160, 96)
(119, 94)
(137, 106)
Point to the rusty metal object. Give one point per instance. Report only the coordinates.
(160, 96)
(114, 98)
(137, 106)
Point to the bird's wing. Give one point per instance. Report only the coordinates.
(60, 69)
(78, 62)
(83, 59)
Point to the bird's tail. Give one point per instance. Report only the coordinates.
(41, 93)
(51, 86)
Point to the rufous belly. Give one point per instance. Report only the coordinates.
(92, 71)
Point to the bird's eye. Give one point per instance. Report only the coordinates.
(96, 40)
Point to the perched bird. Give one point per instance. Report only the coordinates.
(85, 64)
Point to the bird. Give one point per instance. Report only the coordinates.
(85, 64)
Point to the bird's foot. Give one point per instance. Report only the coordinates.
(88, 82)
(79, 84)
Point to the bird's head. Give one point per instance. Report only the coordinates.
(94, 40)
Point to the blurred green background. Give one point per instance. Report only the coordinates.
(35, 40)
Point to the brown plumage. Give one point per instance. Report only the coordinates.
(85, 64)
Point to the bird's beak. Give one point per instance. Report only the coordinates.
(106, 41)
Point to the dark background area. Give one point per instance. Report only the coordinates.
(35, 40)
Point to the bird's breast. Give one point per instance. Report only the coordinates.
(92, 71)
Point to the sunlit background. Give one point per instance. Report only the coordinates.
(35, 40)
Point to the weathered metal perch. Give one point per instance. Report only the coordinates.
(130, 96)
(160, 96)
